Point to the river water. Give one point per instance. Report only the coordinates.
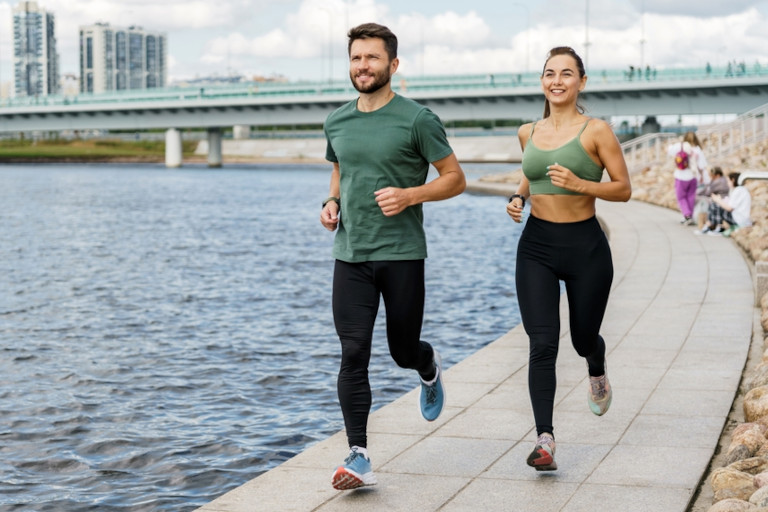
(166, 335)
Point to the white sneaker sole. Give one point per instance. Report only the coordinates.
(345, 479)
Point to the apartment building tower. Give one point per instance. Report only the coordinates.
(35, 61)
(115, 59)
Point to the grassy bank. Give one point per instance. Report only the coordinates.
(59, 150)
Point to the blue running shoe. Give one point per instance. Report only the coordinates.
(356, 472)
(433, 395)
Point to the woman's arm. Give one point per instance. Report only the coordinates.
(722, 202)
(516, 205)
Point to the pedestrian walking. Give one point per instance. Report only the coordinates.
(690, 168)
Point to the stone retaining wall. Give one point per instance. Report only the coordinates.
(501, 148)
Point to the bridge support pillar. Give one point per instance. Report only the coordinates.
(241, 132)
(214, 147)
(172, 148)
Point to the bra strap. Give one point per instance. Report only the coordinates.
(582, 128)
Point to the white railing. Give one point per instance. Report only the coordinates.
(646, 150)
(719, 140)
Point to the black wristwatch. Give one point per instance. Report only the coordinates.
(522, 197)
(335, 199)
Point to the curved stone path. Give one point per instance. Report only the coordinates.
(678, 329)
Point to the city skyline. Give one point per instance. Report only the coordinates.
(305, 39)
(121, 58)
(35, 56)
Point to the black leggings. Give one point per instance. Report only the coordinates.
(578, 254)
(356, 291)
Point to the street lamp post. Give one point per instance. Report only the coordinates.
(527, 33)
(642, 34)
(330, 43)
(586, 37)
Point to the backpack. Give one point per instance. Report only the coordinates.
(681, 158)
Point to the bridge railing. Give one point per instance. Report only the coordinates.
(401, 83)
(646, 150)
(719, 140)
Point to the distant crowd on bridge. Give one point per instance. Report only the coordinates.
(650, 74)
(739, 68)
(732, 69)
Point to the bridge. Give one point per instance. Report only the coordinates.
(453, 98)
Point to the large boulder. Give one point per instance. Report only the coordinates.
(746, 440)
(761, 479)
(731, 505)
(764, 320)
(760, 497)
(756, 403)
(729, 483)
(753, 466)
(758, 375)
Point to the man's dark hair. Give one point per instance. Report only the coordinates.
(370, 30)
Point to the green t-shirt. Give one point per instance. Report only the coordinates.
(390, 147)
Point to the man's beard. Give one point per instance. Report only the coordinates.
(380, 80)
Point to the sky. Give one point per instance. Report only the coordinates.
(306, 39)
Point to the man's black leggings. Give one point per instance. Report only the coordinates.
(578, 254)
(357, 288)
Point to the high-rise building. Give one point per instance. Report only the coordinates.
(35, 61)
(114, 59)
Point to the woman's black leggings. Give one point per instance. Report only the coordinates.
(578, 254)
(357, 288)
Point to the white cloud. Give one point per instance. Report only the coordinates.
(168, 16)
(318, 30)
(306, 39)
(695, 8)
(669, 41)
(152, 15)
(449, 29)
(317, 26)
(683, 41)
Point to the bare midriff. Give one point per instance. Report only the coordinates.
(562, 208)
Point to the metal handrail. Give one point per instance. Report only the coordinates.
(721, 140)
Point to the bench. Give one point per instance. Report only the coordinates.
(752, 175)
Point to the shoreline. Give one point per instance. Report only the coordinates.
(475, 149)
(197, 160)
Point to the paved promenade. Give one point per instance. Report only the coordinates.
(678, 330)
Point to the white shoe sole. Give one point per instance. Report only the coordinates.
(345, 479)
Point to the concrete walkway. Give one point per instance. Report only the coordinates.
(678, 329)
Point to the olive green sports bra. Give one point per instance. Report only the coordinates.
(571, 155)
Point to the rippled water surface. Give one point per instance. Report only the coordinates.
(166, 335)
